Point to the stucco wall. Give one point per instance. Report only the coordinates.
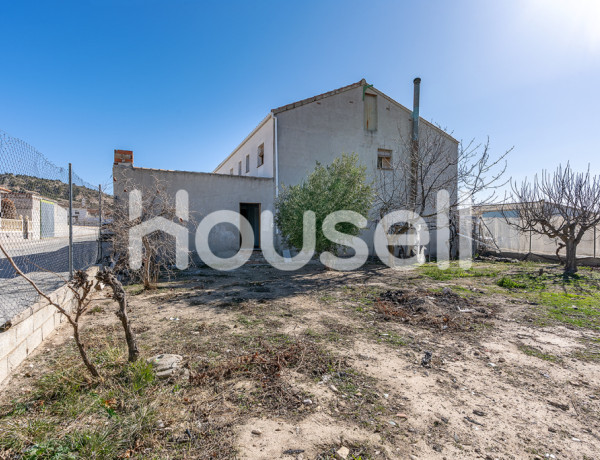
(262, 135)
(28, 205)
(324, 129)
(207, 193)
(61, 221)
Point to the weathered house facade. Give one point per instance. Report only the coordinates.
(284, 148)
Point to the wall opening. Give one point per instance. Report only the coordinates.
(251, 211)
(370, 112)
(384, 159)
(261, 155)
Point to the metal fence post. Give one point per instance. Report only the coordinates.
(70, 222)
(595, 241)
(100, 223)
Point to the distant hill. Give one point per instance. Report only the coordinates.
(55, 190)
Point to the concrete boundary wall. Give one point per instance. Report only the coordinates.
(31, 327)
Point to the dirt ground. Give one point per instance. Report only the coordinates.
(390, 364)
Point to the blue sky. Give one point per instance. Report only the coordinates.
(183, 82)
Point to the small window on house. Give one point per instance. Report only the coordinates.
(231, 172)
(370, 112)
(261, 155)
(240, 168)
(384, 159)
(247, 163)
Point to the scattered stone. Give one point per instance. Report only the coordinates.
(307, 401)
(501, 360)
(475, 422)
(491, 364)
(560, 406)
(167, 365)
(343, 452)
(479, 413)
(386, 396)
(333, 388)
(551, 429)
(256, 432)
(293, 451)
(391, 422)
(576, 439)
(325, 379)
(401, 415)
(426, 359)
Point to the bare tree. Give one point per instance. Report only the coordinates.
(412, 179)
(81, 287)
(107, 277)
(158, 247)
(563, 205)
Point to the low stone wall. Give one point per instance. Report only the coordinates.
(31, 327)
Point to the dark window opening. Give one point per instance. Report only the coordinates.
(261, 155)
(384, 159)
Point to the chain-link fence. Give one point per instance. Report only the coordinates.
(50, 224)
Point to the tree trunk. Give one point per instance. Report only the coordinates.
(571, 259)
(147, 265)
(121, 298)
(83, 353)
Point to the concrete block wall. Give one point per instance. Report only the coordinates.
(31, 327)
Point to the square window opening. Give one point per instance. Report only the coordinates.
(384, 159)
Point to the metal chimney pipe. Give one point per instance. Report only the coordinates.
(414, 154)
(415, 112)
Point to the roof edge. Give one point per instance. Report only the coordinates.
(139, 168)
(318, 97)
(260, 125)
(421, 119)
(362, 82)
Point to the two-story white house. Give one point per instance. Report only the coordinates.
(284, 148)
